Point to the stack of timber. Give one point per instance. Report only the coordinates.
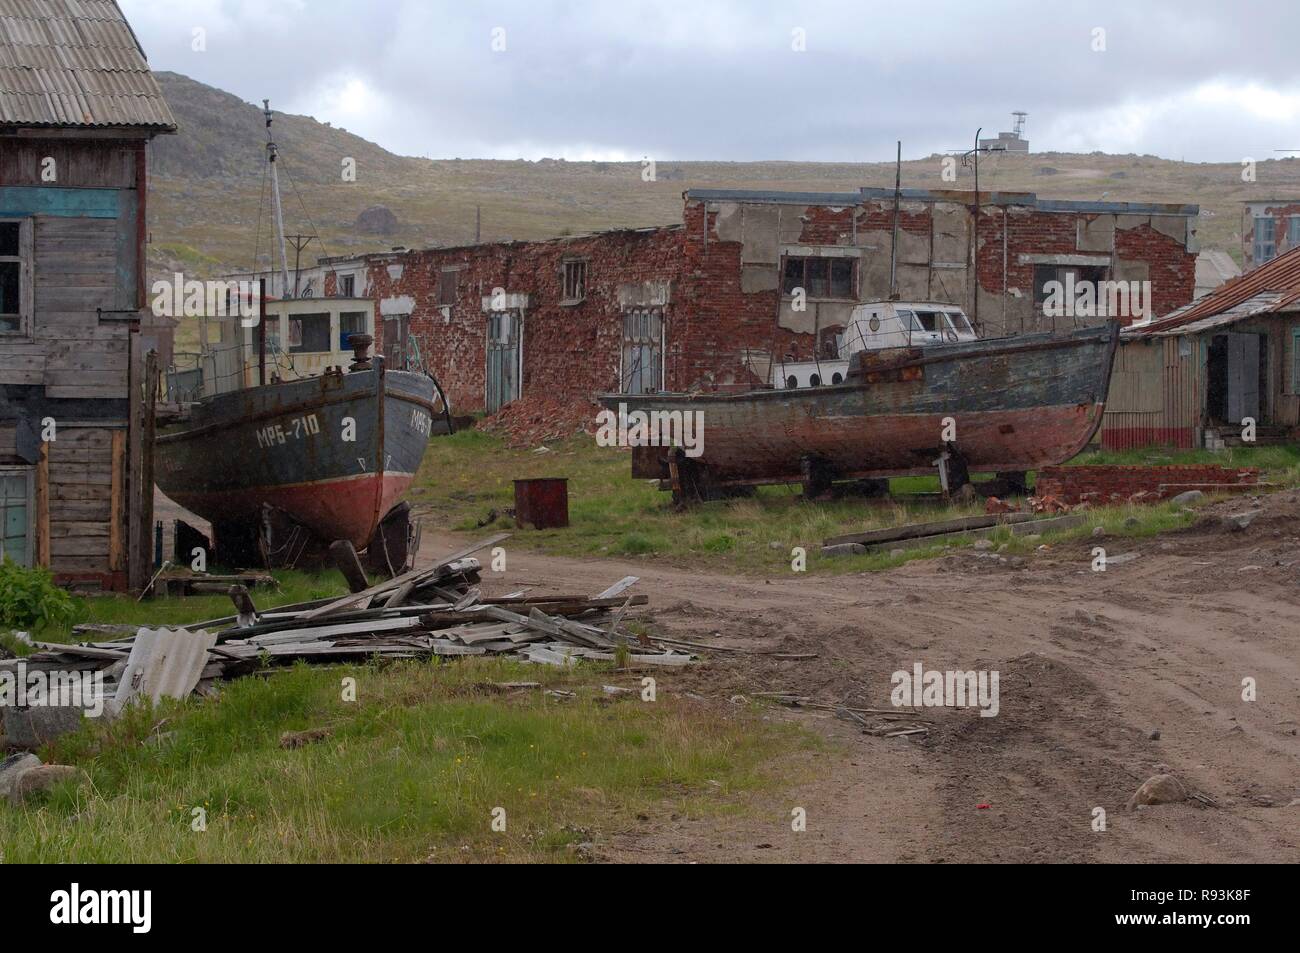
(437, 611)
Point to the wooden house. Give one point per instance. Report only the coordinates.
(78, 106)
(1198, 376)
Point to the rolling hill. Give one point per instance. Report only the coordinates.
(209, 204)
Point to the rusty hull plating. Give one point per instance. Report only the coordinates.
(1018, 403)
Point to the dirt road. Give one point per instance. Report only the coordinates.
(1091, 665)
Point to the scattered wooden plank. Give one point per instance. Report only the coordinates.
(931, 528)
(625, 583)
(396, 582)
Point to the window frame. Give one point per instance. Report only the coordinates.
(28, 473)
(25, 261)
(1258, 242)
(576, 265)
(854, 274)
(352, 285)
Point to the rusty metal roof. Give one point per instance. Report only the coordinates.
(74, 63)
(1280, 277)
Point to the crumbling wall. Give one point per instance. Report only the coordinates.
(569, 350)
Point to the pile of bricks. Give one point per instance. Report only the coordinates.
(1110, 484)
(531, 421)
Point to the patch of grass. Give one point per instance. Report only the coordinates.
(413, 769)
(467, 475)
(182, 610)
(1280, 464)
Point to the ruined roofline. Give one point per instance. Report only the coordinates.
(960, 196)
(501, 243)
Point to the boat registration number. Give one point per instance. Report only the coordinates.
(278, 434)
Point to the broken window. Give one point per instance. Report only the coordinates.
(1075, 276)
(575, 281)
(819, 277)
(15, 515)
(350, 323)
(309, 333)
(13, 317)
(347, 286)
(447, 286)
(1265, 239)
(642, 350)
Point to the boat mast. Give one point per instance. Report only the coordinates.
(275, 196)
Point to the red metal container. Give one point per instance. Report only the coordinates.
(542, 503)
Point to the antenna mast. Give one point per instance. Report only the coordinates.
(893, 245)
(275, 195)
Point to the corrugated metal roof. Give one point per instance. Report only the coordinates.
(75, 63)
(1281, 277)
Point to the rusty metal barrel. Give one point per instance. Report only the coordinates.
(542, 503)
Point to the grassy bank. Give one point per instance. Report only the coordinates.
(466, 484)
(412, 770)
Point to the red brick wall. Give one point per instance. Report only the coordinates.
(1102, 483)
(569, 351)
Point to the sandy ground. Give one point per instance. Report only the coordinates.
(1091, 664)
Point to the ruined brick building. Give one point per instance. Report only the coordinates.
(708, 302)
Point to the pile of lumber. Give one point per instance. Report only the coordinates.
(437, 611)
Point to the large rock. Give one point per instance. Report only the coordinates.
(40, 779)
(1236, 522)
(35, 726)
(12, 766)
(1191, 496)
(376, 220)
(1160, 789)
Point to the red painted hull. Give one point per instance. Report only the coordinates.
(340, 508)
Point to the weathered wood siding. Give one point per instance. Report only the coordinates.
(85, 255)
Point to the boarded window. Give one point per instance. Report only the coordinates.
(1295, 361)
(11, 277)
(820, 277)
(575, 280)
(15, 515)
(309, 333)
(447, 286)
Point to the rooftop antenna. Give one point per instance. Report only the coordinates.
(271, 155)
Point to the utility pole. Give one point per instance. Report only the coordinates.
(478, 224)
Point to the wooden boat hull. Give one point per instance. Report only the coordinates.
(1017, 404)
(334, 452)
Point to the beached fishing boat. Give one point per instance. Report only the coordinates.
(936, 398)
(272, 438)
(335, 452)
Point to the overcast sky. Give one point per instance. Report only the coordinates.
(724, 79)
